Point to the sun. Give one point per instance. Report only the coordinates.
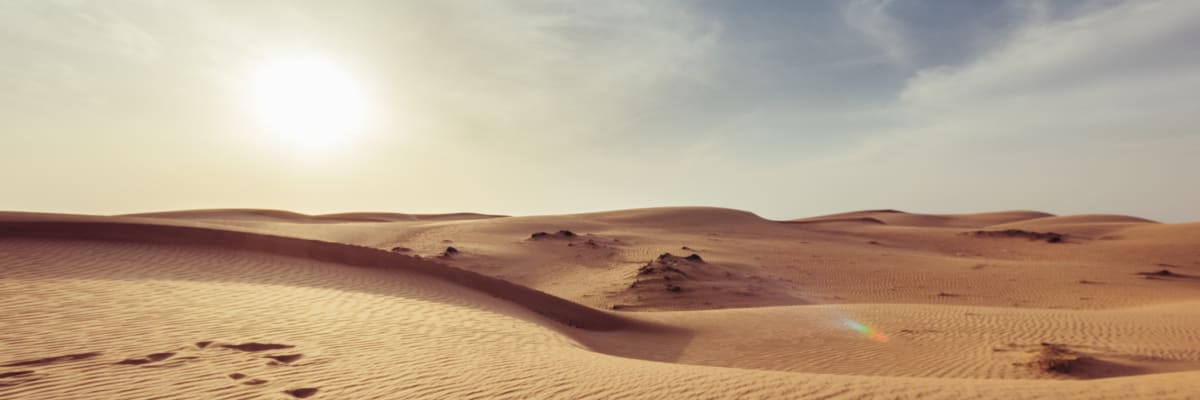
(307, 102)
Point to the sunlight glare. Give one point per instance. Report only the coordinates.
(308, 102)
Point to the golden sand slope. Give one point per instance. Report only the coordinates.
(890, 257)
(180, 309)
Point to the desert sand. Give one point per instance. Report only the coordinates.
(685, 302)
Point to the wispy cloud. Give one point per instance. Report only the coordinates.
(871, 18)
(1060, 117)
(784, 108)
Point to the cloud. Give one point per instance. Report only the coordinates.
(1086, 114)
(498, 93)
(785, 108)
(1125, 72)
(871, 17)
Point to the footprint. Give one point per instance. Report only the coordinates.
(156, 357)
(284, 359)
(17, 377)
(14, 374)
(52, 360)
(256, 347)
(302, 392)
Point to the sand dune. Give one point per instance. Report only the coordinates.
(72, 229)
(900, 218)
(1092, 226)
(249, 304)
(248, 214)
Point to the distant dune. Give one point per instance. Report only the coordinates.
(900, 218)
(678, 302)
(1092, 225)
(288, 216)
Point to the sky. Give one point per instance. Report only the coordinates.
(783, 108)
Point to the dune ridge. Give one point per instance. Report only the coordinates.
(901, 218)
(553, 307)
(289, 216)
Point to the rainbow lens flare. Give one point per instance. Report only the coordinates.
(867, 331)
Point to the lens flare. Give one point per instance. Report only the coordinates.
(867, 331)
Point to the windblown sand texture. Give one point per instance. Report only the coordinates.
(649, 303)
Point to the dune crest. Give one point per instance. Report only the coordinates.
(249, 214)
(66, 229)
(901, 218)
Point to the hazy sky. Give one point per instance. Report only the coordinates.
(783, 108)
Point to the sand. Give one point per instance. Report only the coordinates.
(240, 304)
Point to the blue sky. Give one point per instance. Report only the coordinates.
(784, 108)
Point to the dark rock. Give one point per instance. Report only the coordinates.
(1049, 237)
(451, 249)
(694, 257)
(302, 392)
(401, 249)
(1166, 273)
(1056, 358)
(668, 268)
(560, 234)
